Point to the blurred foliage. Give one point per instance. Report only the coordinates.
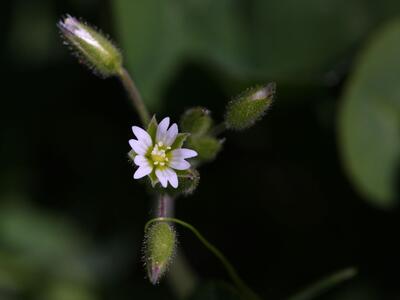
(43, 252)
(63, 140)
(370, 119)
(37, 47)
(279, 40)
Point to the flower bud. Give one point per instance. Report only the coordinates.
(207, 147)
(196, 121)
(249, 107)
(188, 182)
(91, 47)
(160, 244)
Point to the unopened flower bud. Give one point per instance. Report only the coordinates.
(249, 107)
(160, 246)
(207, 147)
(91, 47)
(188, 182)
(196, 121)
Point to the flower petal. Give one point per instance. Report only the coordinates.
(162, 130)
(179, 164)
(167, 175)
(183, 153)
(162, 177)
(142, 135)
(141, 161)
(139, 147)
(142, 171)
(172, 177)
(171, 135)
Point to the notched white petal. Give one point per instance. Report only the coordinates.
(183, 153)
(142, 135)
(172, 177)
(142, 171)
(179, 164)
(141, 161)
(162, 177)
(139, 147)
(171, 135)
(162, 130)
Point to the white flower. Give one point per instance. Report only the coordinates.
(158, 155)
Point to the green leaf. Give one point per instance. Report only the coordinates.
(369, 120)
(275, 39)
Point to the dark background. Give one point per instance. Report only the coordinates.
(277, 200)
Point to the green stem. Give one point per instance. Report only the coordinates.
(324, 284)
(246, 292)
(135, 96)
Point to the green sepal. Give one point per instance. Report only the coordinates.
(196, 121)
(207, 147)
(152, 129)
(180, 139)
(131, 155)
(159, 248)
(188, 182)
(153, 178)
(249, 107)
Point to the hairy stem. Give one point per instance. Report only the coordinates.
(182, 278)
(135, 96)
(245, 291)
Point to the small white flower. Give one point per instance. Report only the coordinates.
(158, 155)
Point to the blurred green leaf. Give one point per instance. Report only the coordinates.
(36, 247)
(67, 291)
(33, 33)
(369, 119)
(260, 40)
(43, 237)
(215, 290)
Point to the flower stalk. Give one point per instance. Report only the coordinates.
(246, 292)
(134, 95)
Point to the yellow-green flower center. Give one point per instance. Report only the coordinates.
(159, 154)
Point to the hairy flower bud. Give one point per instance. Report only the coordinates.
(196, 121)
(188, 182)
(249, 107)
(91, 47)
(160, 244)
(207, 147)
